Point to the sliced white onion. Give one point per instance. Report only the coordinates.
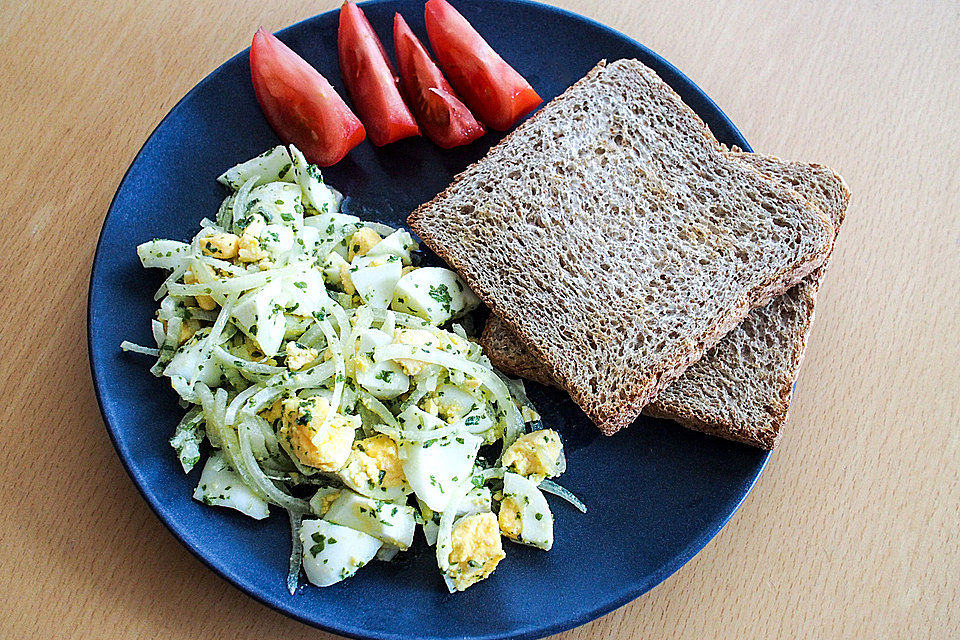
(548, 486)
(296, 551)
(136, 348)
(339, 367)
(513, 421)
(237, 284)
(227, 358)
(264, 484)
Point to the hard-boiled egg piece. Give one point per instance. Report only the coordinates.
(391, 523)
(312, 242)
(299, 356)
(384, 380)
(399, 243)
(220, 486)
(435, 294)
(332, 552)
(375, 278)
(335, 225)
(475, 551)
(270, 321)
(333, 267)
(435, 467)
(270, 166)
(361, 242)
(318, 195)
(525, 515)
(220, 245)
(276, 239)
(415, 338)
(278, 202)
(322, 499)
(373, 468)
(260, 313)
(429, 339)
(324, 447)
(453, 403)
(477, 500)
(191, 359)
(248, 247)
(414, 418)
(305, 294)
(536, 455)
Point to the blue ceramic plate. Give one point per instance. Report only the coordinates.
(656, 493)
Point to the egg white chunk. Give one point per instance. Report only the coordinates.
(435, 294)
(536, 520)
(434, 468)
(391, 523)
(332, 552)
(273, 164)
(220, 486)
(384, 380)
(478, 500)
(375, 278)
(399, 243)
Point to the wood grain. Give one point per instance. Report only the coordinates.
(852, 532)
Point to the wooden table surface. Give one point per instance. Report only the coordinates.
(851, 532)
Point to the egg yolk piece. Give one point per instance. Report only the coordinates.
(476, 549)
(322, 446)
(535, 455)
(511, 522)
(374, 464)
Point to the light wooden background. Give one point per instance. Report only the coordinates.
(852, 531)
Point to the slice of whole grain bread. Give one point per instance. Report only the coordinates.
(740, 389)
(618, 241)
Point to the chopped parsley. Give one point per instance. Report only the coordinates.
(441, 294)
(320, 541)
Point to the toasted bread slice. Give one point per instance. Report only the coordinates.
(741, 389)
(617, 239)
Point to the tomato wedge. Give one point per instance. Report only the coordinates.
(370, 79)
(301, 106)
(440, 113)
(494, 91)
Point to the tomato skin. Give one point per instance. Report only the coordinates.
(494, 91)
(370, 79)
(301, 106)
(440, 113)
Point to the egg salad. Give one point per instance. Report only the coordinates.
(328, 374)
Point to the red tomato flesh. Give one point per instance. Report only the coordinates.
(494, 91)
(370, 79)
(301, 106)
(440, 113)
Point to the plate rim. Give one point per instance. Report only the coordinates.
(682, 557)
